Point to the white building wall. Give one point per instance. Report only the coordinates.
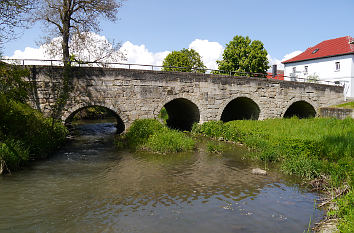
(325, 69)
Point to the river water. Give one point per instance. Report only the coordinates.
(89, 186)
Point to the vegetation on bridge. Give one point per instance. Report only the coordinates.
(317, 149)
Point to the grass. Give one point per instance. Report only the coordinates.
(215, 147)
(151, 135)
(345, 105)
(308, 148)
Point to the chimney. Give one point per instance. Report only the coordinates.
(274, 71)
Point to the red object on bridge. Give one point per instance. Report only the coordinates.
(279, 76)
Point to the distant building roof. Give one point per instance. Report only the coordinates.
(279, 76)
(327, 48)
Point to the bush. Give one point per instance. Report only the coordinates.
(25, 134)
(140, 131)
(13, 154)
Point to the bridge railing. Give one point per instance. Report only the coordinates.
(52, 62)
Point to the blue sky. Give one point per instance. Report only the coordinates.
(162, 25)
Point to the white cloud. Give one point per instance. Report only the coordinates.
(291, 55)
(32, 53)
(274, 61)
(139, 54)
(209, 51)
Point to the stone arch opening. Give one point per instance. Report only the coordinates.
(241, 108)
(301, 109)
(105, 113)
(182, 114)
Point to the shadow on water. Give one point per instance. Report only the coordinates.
(88, 186)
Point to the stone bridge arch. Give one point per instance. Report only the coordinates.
(122, 120)
(183, 111)
(238, 108)
(302, 108)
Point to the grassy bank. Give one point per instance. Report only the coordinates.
(308, 148)
(24, 133)
(151, 135)
(349, 105)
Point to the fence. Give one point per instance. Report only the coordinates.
(49, 62)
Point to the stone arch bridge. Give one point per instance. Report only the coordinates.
(187, 97)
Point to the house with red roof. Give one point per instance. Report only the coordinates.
(331, 60)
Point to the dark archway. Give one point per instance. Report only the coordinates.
(182, 114)
(301, 109)
(99, 112)
(241, 108)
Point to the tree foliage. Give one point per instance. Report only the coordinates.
(189, 59)
(69, 18)
(12, 84)
(244, 55)
(12, 15)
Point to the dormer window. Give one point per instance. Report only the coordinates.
(337, 66)
(315, 51)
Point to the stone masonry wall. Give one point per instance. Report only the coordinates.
(339, 113)
(134, 94)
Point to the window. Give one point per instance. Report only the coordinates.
(315, 51)
(337, 66)
(294, 70)
(306, 70)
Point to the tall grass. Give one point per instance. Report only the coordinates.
(307, 148)
(150, 134)
(345, 105)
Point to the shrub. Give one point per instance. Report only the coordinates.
(13, 154)
(140, 131)
(26, 133)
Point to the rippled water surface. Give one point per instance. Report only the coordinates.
(88, 186)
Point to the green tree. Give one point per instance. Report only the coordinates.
(244, 55)
(189, 59)
(12, 83)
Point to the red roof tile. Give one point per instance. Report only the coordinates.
(327, 48)
(279, 76)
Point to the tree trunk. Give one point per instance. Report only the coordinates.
(66, 32)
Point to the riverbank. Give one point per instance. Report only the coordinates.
(317, 148)
(25, 135)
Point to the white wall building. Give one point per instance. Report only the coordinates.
(331, 60)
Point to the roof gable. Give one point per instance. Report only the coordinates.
(327, 48)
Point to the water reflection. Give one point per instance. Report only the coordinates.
(90, 187)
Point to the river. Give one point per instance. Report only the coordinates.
(89, 186)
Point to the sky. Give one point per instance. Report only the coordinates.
(149, 30)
